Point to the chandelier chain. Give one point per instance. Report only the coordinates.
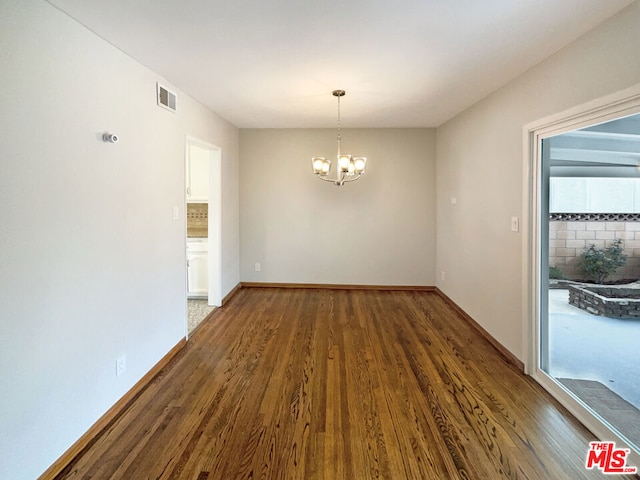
(339, 134)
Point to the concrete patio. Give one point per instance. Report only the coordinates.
(597, 350)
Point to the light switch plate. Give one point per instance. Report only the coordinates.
(121, 365)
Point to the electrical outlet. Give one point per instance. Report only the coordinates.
(121, 365)
(443, 276)
(257, 267)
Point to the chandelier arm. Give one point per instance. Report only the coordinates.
(352, 179)
(325, 179)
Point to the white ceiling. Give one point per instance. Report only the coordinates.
(403, 63)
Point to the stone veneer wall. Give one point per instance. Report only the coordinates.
(569, 238)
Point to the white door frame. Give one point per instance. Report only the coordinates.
(620, 104)
(214, 217)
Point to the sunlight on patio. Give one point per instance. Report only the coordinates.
(596, 358)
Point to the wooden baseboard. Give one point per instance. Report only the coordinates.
(225, 300)
(110, 416)
(229, 295)
(508, 356)
(202, 322)
(331, 286)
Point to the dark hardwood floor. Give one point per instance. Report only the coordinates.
(310, 384)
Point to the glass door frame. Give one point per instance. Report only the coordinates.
(536, 246)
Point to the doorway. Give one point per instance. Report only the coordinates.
(583, 170)
(203, 198)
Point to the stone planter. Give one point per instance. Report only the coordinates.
(618, 301)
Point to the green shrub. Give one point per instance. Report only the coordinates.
(599, 263)
(555, 274)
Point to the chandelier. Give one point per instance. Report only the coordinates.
(349, 168)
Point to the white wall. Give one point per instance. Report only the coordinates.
(92, 265)
(480, 161)
(378, 230)
(594, 195)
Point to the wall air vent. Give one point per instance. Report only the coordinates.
(166, 98)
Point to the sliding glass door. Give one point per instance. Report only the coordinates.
(588, 274)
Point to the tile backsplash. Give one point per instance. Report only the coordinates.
(197, 220)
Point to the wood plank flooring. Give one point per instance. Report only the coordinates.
(335, 384)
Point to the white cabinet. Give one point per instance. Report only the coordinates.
(197, 174)
(197, 267)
